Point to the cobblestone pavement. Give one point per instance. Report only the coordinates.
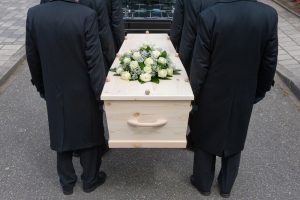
(289, 39)
(12, 30)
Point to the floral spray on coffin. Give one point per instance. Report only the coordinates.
(146, 64)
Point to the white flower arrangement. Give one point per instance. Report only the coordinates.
(146, 64)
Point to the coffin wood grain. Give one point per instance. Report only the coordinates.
(170, 135)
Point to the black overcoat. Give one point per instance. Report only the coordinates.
(65, 60)
(105, 32)
(115, 13)
(233, 65)
(184, 27)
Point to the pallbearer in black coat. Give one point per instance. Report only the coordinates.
(184, 27)
(105, 32)
(183, 35)
(115, 13)
(65, 60)
(234, 63)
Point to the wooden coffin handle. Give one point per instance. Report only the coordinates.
(158, 123)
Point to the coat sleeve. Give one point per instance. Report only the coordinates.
(33, 59)
(268, 65)
(177, 24)
(106, 38)
(117, 23)
(94, 57)
(201, 57)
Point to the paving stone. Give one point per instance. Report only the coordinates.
(296, 35)
(282, 52)
(297, 57)
(13, 47)
(10, 40)
(288, 44)
(297, 72)
(8, 52)
(292, 48)
(285, 39)
(294, 53)
(4, 57)
(284, 57)
(2, 62)
(289, 62)
(291, 67)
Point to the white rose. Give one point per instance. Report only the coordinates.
(136, 55)
(146, 77)
(155, 54)
(119, 70)
(148, 69)
(162, 73)
(126, 60)
(126, 76)
(149, 61)
(128, 53)
(170, 71)
(162, 60)
(145, 46)
(133, 65)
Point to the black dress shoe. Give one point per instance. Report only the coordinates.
(224, 195)
(100, 181)
(68, 191)
(193, 182)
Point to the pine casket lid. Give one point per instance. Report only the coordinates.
(176, 89)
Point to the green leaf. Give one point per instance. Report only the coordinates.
(113, 70)
(176, 72)
(164, 54)
(117, 75)
(155, 80)
(141, 82)
(165, 78)
(142, 65)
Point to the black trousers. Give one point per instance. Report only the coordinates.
(204, 171)
(90, 160)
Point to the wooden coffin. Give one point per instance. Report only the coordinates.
(148, 115)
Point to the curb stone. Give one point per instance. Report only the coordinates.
(285, 7)
(11, 65)
(290, 80)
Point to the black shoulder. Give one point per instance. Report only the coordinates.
(31, 11)
(268, 9)
(269, 12)
(86, 8)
